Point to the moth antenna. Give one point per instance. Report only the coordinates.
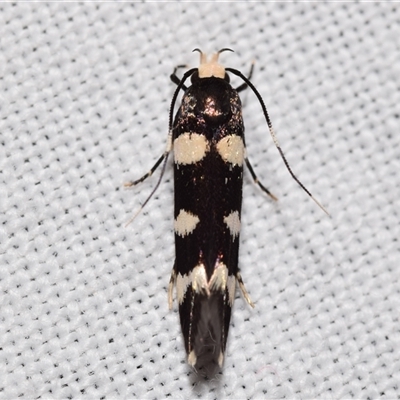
(225, 49)
(274, 138)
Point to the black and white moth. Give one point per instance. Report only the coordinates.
(207, 138)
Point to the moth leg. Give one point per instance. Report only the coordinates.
(243, 289)
(262, 187)
(163, 159)
(175, 79)
(148, 174)
(244, 85)
(171, 286)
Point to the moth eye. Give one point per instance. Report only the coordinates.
(195, 77)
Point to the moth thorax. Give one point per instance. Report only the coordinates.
(211, 67)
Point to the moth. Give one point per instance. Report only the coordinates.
(208, 143)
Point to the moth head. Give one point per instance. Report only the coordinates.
(210, 67)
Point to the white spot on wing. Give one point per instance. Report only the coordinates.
(233, 222)
(190, 148)
(197, 279)
(182, 283)
(231, 149)
(219, 278)
(185, 223)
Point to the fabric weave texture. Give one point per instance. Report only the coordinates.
(85, 95)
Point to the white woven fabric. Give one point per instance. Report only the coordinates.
(85, 94)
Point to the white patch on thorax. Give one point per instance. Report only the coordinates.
(231, 149)
(190, 148)
(209, 68)
(233, 222)
(185, 223)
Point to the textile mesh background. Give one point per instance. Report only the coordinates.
(85, 94)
